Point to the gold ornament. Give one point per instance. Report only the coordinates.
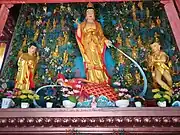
(65, 57)
(56, 52)
(134, 52)
(138, 77)
(36, 35)
(119, 39)
(139, 41)
(43, 42)
(147, 13)
(158, 21)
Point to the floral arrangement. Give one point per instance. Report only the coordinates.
(6, 94)
(123, 93)
(50, 98)
(25, 96)
(69, 93)
(176, 95)
(161, 95)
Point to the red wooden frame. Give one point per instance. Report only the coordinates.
(146, 120)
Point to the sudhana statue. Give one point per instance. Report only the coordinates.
(158, 63)
(26, 68)
(92, 44)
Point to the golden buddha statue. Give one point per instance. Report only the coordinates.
(60, 41)
(138, 77)
(62, 22)
(36, 35)
(147, 13)
(158, 64)
(152, 25)
(54, 23)
(133, 8)
(156, 37)
(91, 41)
(65, 57)
(140, 5)
(26, 68)
(128, 43)
(158, 21)
(134, 53)
(56, 52)
(139, 42)
(28, 22)
(134, 16)
(48, 24)
(119, 39)
(129, 78)
(43, 42)
(66, 37)
(121, 58)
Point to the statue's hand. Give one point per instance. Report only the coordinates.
(108, 43)
(76, 21)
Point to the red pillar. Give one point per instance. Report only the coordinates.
(173, 19)
(4, 11)
(178, 4)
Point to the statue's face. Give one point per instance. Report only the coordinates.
(155, 47)
(90, 14)
(32, 49)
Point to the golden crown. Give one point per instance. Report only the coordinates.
(90, 5)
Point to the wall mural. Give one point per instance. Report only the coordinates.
(92, 55)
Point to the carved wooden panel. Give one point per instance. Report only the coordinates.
(90, 121)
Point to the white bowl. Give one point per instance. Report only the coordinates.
(122, 103)
(68, 104)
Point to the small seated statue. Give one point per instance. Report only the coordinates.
(158, 63)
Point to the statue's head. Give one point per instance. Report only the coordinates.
(32, 48)
(90, 14)
(155, 47)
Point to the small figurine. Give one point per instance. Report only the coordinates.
(139, 42)
(36, 35)
(133, 8)
(158, 21)
(119, 39)
(43, 42)
(121, 59)
(134, 53)
(134, 16)
(48, 24)
(65, 57)
(152, 25)
(147, 13)
(28, 22)
(128, 42)
(157, 61)
(66, 37)
(138, 77)
(140, 5)
(56, 52)
(156, 37)
(54, 23)
(60, 41)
